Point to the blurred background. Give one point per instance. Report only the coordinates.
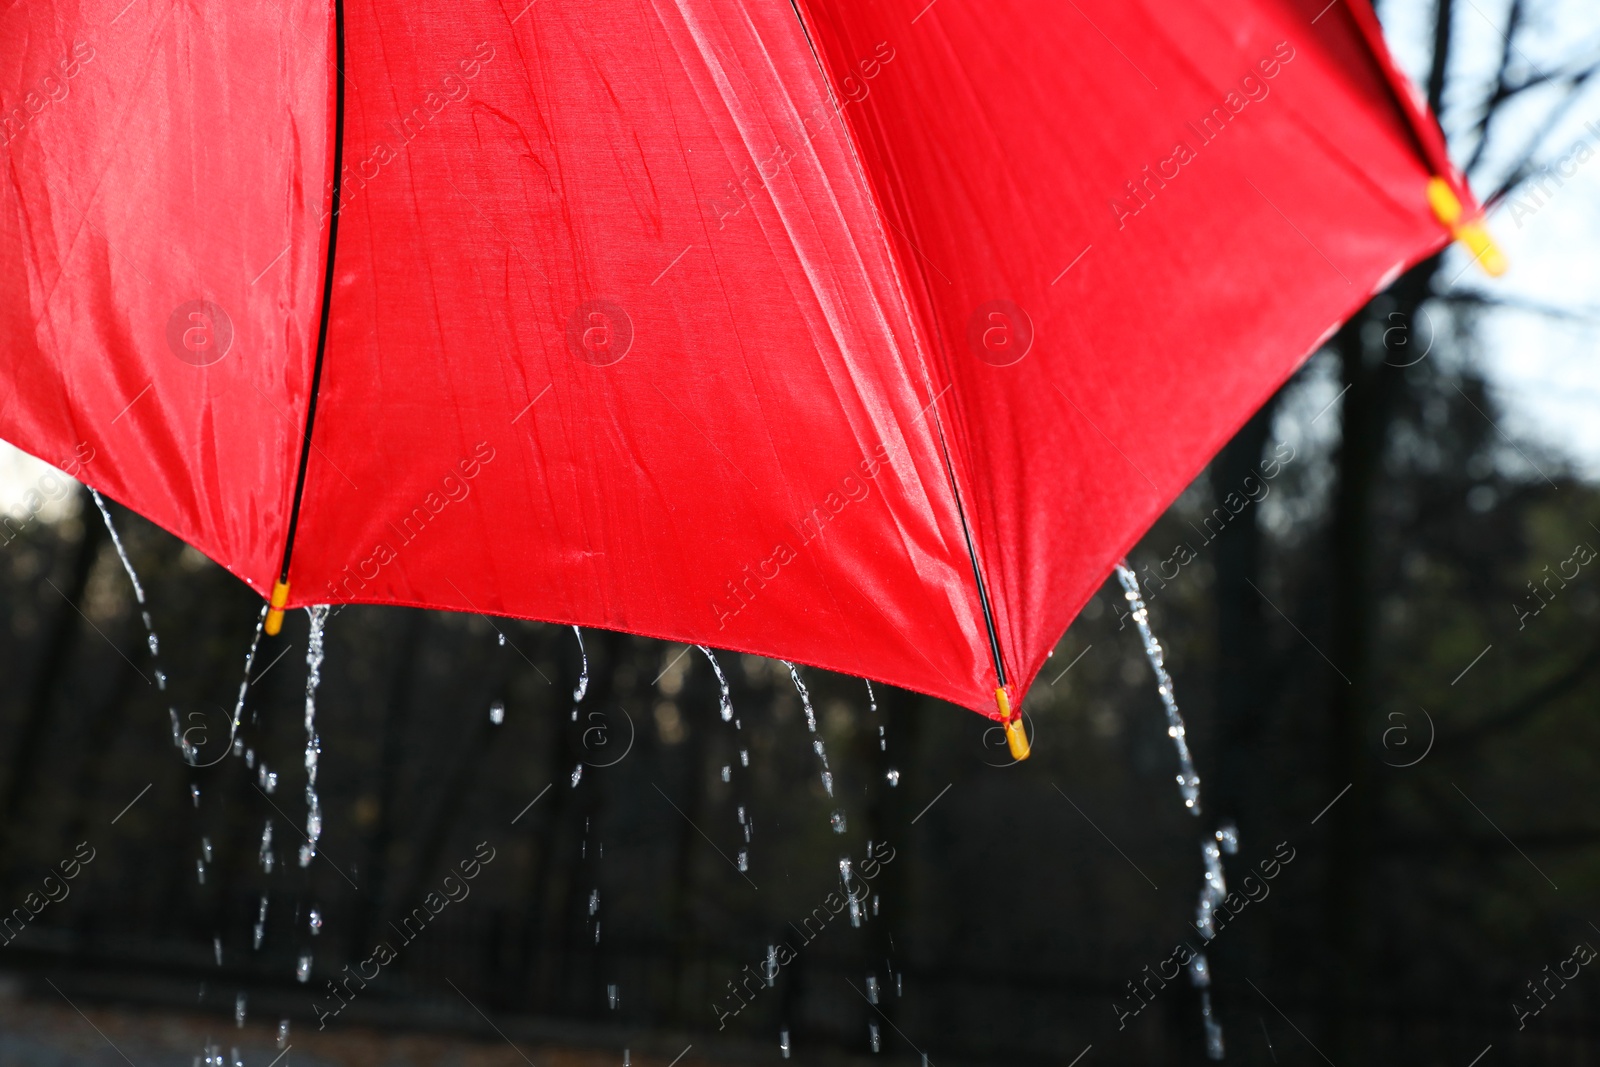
(1378, 606)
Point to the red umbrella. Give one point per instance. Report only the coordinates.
(862, 334)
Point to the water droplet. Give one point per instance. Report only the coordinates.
(727, 773)
(783, 1042)
(194, 794)
(577, 775)
(744, 859)
(805, 699)
(872, 989)
(238, 746)
(205, 848)
(502, 640)
(316, 921)
(837, 821)
(724, 701)
(1188, 780)
(266, 847)
(741, 814)
(216, 949)
(314, 653)
(893, 777)
(772, 965)
(138, 590)
(283, 1033)
(1214, 1046)
(249, 757)
(744, 757)
(497, 713)
(200, 870)
(1228, 837)
(811, 725)
(583, 678)
(872, 1033)
(161, 680)
(594, 901)
(302, 969)
(611, 995)
(155, 644)
(238, 1016)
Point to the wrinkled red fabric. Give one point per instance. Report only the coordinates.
(826, 332)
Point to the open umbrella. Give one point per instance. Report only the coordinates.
(863, 334)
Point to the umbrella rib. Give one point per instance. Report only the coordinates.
(327, 289)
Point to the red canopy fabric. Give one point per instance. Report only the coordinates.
(862, 334)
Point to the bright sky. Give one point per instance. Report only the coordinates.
(1544, 370)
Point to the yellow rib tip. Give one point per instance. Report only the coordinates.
(280, 597)
(1446, 206)
(1480, 242)
(1474, 234)
(1016, 732)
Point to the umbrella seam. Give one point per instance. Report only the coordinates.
(944, 451)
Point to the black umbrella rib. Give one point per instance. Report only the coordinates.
(327, 284)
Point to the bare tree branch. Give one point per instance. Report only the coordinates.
(1510, 303)
(1527, 707)
(1525, 167)
(1502, 89)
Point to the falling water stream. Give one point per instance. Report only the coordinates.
(583, 676)
(1226, 838)
(1224, 842)
(1188, 780)
(837, 819)
(151, 640)
(592, 911)
(319, 621)
(862, 908)
(578, 693)
(244, 685)
(892, 777)
(725, 708)
(180, 739)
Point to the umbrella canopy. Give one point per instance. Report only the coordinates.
(862, 334)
